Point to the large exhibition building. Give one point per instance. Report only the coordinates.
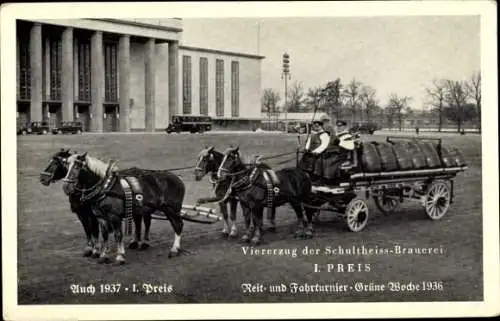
(129, 75)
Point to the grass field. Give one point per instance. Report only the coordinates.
(50, 238)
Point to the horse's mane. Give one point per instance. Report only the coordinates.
(99, 167)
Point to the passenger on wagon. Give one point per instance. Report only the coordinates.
(338, 153)
(316, 144)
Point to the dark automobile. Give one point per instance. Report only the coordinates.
(299, 128)
(35, 127)
(68, 127)
(192, 124)
(364, 128)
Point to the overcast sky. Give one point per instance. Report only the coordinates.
(392, 54)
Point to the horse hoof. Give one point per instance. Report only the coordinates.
(133, 245)
(87, 252)
(120, 260)
(309, 234)
(144, 246)
(104, 259)
(172, 254)
(96, 255)
(255, 241)
(272, 229)
(233, 235)
(244, 239)
(224, 234)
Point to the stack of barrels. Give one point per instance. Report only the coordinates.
(407, 155)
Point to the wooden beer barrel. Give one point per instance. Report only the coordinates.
(430, 153)
(457, 156)
(446, 158)
(403, 157)
(388, 160)
(417, 156)
(370, 158)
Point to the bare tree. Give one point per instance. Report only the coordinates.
(270, 99)
(332, 94)
(474, 91)
(396, 108)
(456, 96)
(351, 92)
(296, 97)
(368, 101)
(437, 96)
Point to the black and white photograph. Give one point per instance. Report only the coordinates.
(249, 160)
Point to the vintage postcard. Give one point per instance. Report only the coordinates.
(258, 160)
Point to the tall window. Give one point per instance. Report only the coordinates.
(203, 86)
(186, 85)
(235, 89)
(24, 82)
(55, 46)
(219, 87)
(84, 71)
(110, 73)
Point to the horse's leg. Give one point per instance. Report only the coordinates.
(174, 216)
(247, 216)
(257, 216)
(116, 222)
(271, 217)
(301, 222)
(223, 209)
(134, 244)
(105, 229)
(94, 232)
(87, 251)
(233, 206)
(146, 215)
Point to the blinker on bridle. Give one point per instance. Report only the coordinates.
(50, 175)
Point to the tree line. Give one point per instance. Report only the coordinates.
(457, 101)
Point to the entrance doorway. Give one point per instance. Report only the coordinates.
(110, 123)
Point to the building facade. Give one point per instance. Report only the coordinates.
(124, 75)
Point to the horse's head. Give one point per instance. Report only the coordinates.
(206, 163)
(230, 163)
(57, 168)
(76, 163)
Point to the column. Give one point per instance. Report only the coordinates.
(67, 75)
(161, 91)
(149, 80)
(36, 72)
(173, 72)
(124, 81)
(97, 81)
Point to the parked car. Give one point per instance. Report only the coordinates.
(192, 124)
(68, 127)
(299, 128)
(35, 127)
(364, 128)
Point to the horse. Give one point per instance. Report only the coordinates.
(252, 185)
(209, 161)
(159, 191)
(57, 170)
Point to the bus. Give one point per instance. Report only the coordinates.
(192, 124)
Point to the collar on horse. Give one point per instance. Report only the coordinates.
(99, 189)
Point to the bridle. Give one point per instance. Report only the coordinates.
(198, 167)
(82, 165)
(61, 162)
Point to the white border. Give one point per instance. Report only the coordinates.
(486, 9)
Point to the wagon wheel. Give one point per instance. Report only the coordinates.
(356, 214)
(437, 200)
(386, 202)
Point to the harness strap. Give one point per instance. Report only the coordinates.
(128, 205)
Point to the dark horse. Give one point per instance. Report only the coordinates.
(250, 182)
(57, 170)
(161, 191)
(209, 161)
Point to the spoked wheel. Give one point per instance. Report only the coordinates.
(356, 214)
(437, 200)
(386, 202)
